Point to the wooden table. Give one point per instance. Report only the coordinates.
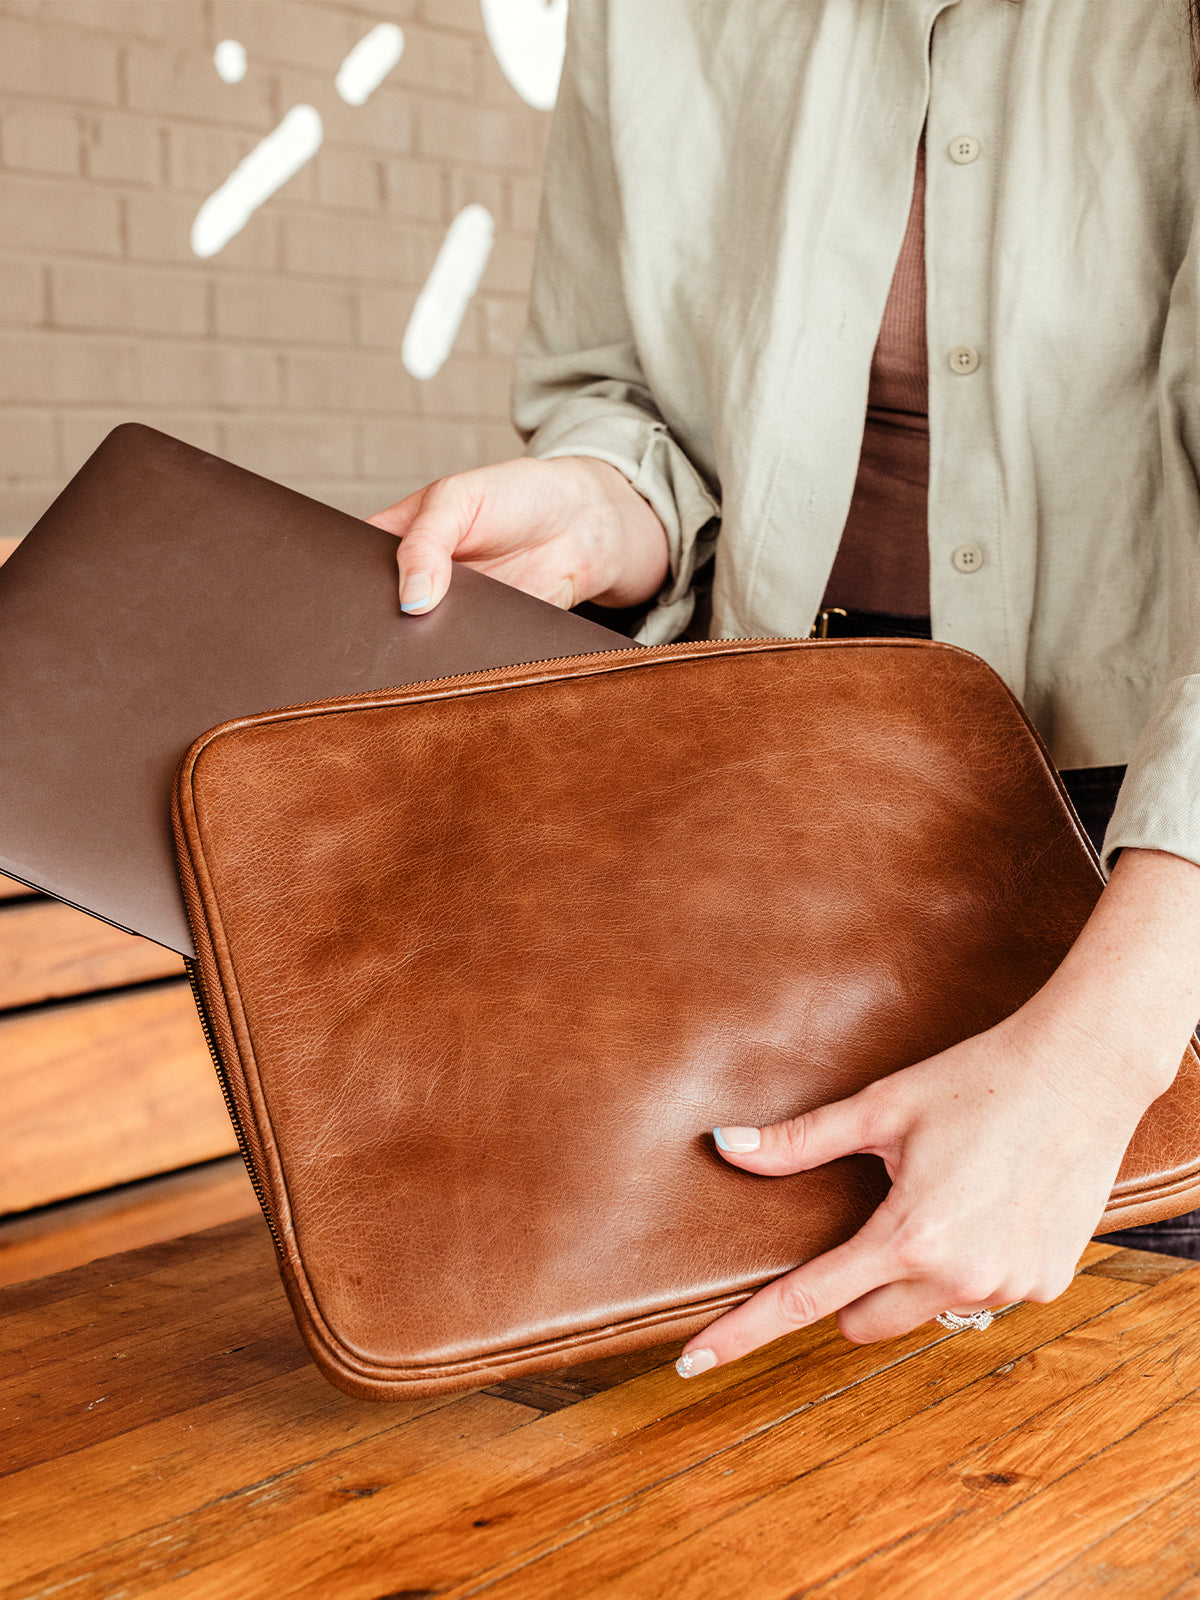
(163, 1433)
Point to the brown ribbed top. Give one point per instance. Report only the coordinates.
(882, 562)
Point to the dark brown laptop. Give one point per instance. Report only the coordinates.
(166, 591)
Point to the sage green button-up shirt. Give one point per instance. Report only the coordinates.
(726, 191)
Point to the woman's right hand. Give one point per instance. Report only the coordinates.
(565, 530)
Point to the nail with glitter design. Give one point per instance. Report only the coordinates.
(694, 1363)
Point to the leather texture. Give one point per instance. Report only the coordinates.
(166, 590)
(486, 960)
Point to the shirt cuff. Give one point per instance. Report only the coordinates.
(1158, 807)
(660, 471)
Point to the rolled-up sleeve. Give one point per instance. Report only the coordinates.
(1159, 804)
(580, 389)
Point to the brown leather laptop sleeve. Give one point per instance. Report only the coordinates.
(486, 959)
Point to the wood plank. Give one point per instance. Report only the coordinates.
(550, 1391)
(1045, 1531)
(1139, 1266)
(304, 1448)
(847, 1463)
(1147, 1553)
(77, 1231)
(168, 1436)
(187, 1281)
(131, 1376)
(285, 1436)
(51, 1325)
(920, 1497)
(101, 1092)
(1042, 1512)
(48, 950)
(36, 1310)
(535, 1491)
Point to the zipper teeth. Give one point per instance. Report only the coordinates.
(624, 653)
(487, 672)
(222, 1079)
(630, 653)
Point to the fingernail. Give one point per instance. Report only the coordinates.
(417, 592)
(737, 1141)
(694, 1363)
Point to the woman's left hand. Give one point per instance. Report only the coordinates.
(1002, 1149)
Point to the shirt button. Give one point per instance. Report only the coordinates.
(964, 358)
(967, 558)
(964, 149)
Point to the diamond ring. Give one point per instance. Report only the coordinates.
(979, 1320)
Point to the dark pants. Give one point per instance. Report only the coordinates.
(1093, 792)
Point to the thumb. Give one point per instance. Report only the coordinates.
(430, 526)
(424, 559)
(798, 1144)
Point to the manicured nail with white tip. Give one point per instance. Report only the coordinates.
(694, 1363)
(417, 592)
(737, 1141)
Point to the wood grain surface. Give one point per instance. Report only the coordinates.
(163, 1433)
(54, 1238)
(105, 1091)
(48, 950)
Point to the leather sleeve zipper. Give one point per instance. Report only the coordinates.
(230, 1106)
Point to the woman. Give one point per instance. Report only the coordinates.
(728, 223)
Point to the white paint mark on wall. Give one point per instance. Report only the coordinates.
(229, 58)
(442, 303)
(274, 159)
(369, 63)
(528, 38)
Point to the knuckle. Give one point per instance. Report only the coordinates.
(924, 1248)
(794, 1135)
(970, 1286)
(1046, 1288)
(863, 1327)
(442, 507)
(796, 1305)
(439, 492)
(877, 1104)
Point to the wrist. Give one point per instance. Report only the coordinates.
(1142, 944)
(1116, 1054)
(1128, 991)
(632, 551)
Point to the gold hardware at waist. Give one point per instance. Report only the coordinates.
(820, 628)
